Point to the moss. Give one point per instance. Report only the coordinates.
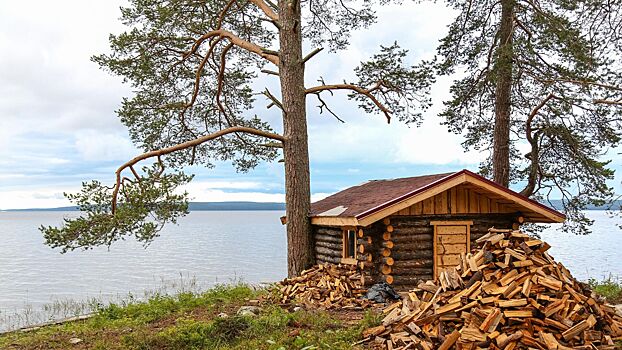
(191, 321)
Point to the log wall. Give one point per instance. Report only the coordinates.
(399, 249)
(411, 257)
(328, 244)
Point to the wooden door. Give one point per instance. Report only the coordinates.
(451, 239)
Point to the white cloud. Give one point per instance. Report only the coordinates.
(36, 198)
(97, 146)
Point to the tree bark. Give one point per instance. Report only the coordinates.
(503, 93)
(295, 150)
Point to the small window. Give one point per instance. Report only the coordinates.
(349, 244)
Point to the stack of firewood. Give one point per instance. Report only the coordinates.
(325, 286)
(508, 293)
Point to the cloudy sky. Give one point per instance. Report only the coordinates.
(58, 126)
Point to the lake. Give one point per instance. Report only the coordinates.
(207, 247)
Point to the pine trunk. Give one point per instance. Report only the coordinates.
(501, 144)
(295, 147)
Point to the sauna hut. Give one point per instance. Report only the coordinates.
(404, 230)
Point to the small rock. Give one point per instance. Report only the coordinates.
(297, 308)
(75, 341)
(249, 310)
(222, 315)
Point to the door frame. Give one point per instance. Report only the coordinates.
(466, 223)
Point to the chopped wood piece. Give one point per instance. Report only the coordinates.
(507, 293)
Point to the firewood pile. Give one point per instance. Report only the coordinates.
(325, 286)
(508, 293)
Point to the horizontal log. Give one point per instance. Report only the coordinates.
(385, 269)
(329, 231)
(327, 238)
(385, 252)
(413, 230)
(387, 244)
(410, 280)
(386, 236)
(387, 278)
(411, 255)
(366, 241)
(328, 251)
(411, 271)
(406, 247)
(360, 233)
(330, 245)
(389, 228)
(364, 257)
(425, 237)
(387, 260)
(406, 264)
(366, 280)
(365, 265)
(327, 259)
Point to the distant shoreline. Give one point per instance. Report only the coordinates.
(194, 206)
(267, 206)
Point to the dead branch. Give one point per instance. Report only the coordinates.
(185, 145)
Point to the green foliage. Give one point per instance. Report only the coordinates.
(190, 321)
(404, 89)
(565, 49)
(144, 206)
(188, 83)
(609, 288)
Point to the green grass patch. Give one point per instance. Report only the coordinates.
(609, 288)
(192, 321)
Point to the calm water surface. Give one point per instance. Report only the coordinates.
(213, 247)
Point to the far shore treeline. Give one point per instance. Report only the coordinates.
(195, 206)
(225, 206)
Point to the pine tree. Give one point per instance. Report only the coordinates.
(541, 92)
(192, 64)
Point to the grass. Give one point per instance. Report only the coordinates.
(610, 288)
(192, 321)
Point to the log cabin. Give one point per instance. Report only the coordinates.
(405, 230)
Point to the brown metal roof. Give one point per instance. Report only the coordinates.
(362, 198)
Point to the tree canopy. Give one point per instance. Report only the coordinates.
(192, 65)
(559, 64)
